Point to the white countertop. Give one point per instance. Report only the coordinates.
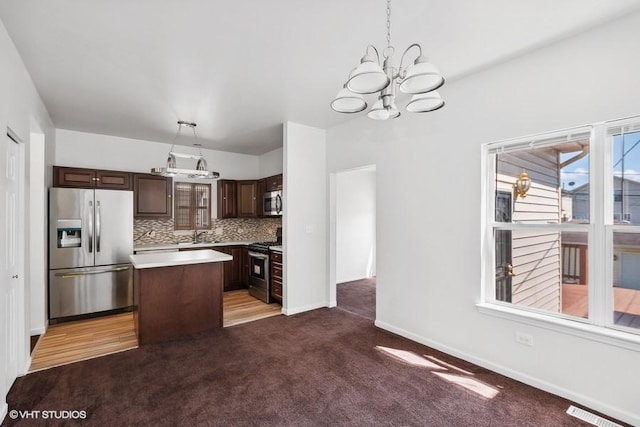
(168, 259)
(276, 248)
(162, 246)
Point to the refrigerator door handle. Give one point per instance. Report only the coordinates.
(98, 226)
(90, 226)
(86, 273)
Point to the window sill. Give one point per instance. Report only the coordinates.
(591, 332)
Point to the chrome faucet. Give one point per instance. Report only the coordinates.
(196, 235)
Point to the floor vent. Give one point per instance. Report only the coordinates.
(590, 418)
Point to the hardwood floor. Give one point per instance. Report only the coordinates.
(240, 307)
(85, 339)
(626, 304)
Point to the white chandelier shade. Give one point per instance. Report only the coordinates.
(380, 112)
(425, 102)
(348, 102)
(368, 77)
(422, 77)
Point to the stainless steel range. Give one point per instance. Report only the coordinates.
(259, 280)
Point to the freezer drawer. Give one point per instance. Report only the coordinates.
(89, 290)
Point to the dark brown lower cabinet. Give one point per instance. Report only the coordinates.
(175, 301)
(236, 272)
(276, 275)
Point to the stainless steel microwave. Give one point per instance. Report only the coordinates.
(272, 205)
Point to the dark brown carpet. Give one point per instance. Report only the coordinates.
(326, 367)
(358, 297)
(32, 342)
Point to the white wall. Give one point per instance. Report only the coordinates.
(355, 224)
(37, 232)
(89, 150)
(429, 226)
(305, 219)
(270, 163)
(20, 108)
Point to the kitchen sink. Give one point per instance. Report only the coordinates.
(200, 242)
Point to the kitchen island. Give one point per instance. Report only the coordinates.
(177, 293)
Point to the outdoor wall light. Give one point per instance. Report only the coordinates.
(521, 186)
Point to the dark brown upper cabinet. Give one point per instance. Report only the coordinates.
(262, 188)
(247, 198)
(227, 206)
(151, 196)
(273, 183)
(91, 178)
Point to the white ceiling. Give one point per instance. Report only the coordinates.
(241, 68)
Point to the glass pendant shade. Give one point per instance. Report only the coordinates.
(368, 77)
(171, 161)
(171, 164)
(425, 102)
(348, 102)
(378, 112)
(202, 164)
(422, 77)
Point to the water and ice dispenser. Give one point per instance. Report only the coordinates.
(69, 233)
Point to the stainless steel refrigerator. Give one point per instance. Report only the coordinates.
(90, 240)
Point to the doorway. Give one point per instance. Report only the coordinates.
(353, 240)
(14, 342)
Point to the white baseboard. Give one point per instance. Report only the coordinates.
(290, 311)
(612, 411)
(38, 331)
(4, 408)
(352, 279)
(25, 371)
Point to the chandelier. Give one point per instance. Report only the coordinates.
(421, 79)
(171, 169)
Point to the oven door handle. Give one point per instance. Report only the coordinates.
(258, 255)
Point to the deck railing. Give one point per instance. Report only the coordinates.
(574, 263)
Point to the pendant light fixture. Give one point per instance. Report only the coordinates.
(171, 168)
(420, 79)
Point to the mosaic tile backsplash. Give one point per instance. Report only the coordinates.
(231, 229)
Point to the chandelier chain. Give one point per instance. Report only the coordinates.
(388, 23)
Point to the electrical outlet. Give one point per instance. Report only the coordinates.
(524, 339)
(218, 231)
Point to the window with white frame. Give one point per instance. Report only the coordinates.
(569, 247)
